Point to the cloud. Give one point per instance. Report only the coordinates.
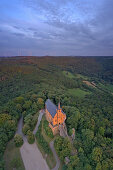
(59, 27)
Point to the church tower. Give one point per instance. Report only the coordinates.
(59, 106)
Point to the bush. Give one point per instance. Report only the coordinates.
(34, 121)
(30, 137)
(25, 129)
(18, 140)
(30, 122)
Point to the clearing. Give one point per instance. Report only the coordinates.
(78, 92)
(92, 84)
(81, 76)
(72, 76)
(68, 74)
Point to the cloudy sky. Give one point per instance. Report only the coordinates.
(56, 27)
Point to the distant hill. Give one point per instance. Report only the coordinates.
(101, 67)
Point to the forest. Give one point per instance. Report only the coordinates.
(84, 86)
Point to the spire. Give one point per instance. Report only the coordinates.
(59, 105)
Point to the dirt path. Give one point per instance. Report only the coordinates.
(19, 130)
(55, 155)
(38, 123)
(32, 157)
(89, 83)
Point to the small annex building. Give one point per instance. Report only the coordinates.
(54, 115)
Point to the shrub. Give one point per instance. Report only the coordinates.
(18, 140)
(25, 129)
(34, 121)
(30, 137)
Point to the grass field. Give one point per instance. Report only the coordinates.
(81, 76)
(77, 92)
(71, 76)
(13, 158)
(68, 74)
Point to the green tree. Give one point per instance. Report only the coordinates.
(88, 142)
(34, 97)
(24, 113)
(19, 100)
(87, 167)
(19, 107)
(40, 103)
(98, 167)
(105, 165)
(30, 137)
(4, 118)
(101, 131)
(25, 129)
(27, 104)
(74, 160)
(18, 140)
(97, 154)
(63, 147)
(28, 119)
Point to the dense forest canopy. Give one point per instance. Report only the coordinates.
(84, 85)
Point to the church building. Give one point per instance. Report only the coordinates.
(54, 115)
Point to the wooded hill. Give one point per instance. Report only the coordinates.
(84, 85)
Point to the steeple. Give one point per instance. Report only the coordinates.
(59, 106)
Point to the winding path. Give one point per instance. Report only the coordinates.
(55, 155)
(31, 155)
(39, 120)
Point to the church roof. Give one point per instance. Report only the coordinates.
(51, 107)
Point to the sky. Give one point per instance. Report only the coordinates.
(56, 27)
